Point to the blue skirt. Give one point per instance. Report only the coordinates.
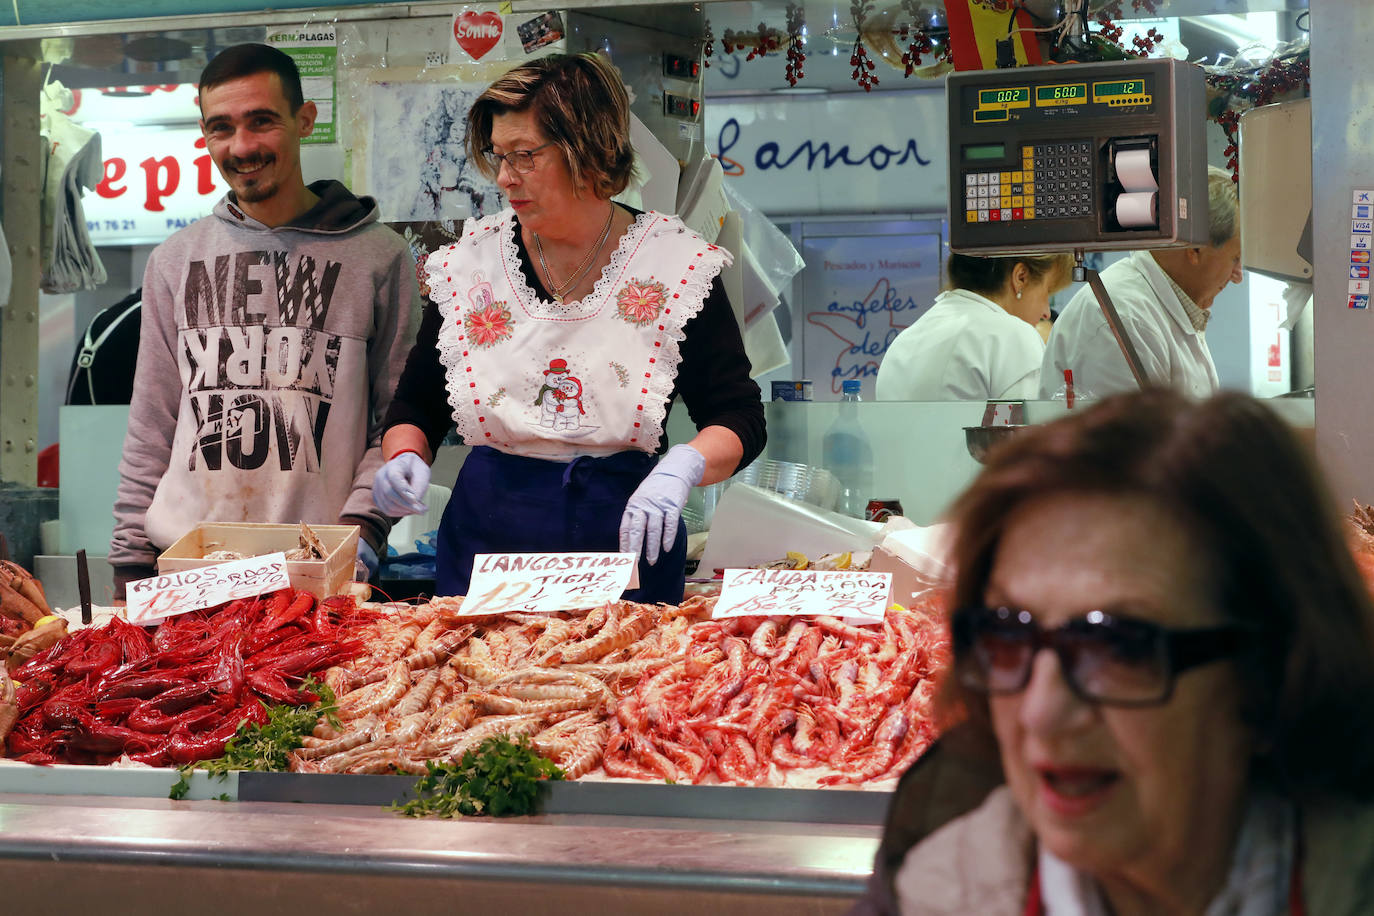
(508, 504)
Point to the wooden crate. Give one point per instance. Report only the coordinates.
(321, 578)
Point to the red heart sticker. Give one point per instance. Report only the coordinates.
(477, 33)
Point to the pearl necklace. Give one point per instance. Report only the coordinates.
(581, 270)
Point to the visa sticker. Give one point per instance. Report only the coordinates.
(1361, 225)
(1360, 243)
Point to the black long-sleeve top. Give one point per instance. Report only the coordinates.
(713, 377)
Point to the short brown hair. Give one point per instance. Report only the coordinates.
(250, 59)
(988, 276)
(579, 103)
(1238, 478)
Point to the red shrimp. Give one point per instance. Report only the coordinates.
(100, 739)
(852, 634)
(296, 608)
(785, 756)
(142, 687)
(919, 736)
(616, 760)
(185, 748)
(735, 765)
(795, 632)
(877, 758)
(764, 641)
(152, 721)
(270, 684)
(693, 763)
(653, 758)
(763, 737)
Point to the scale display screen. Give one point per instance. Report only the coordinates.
(1119, 87)
(1069, 94)
(1016, 97)
(1121, 92)
(985, 151)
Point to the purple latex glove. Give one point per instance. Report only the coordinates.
(399, 486)
(651, 515)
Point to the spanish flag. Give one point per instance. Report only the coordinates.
(975, 26)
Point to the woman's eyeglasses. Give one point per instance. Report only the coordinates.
(1116, 660)
(521, 160)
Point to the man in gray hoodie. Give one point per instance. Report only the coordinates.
(273, 333)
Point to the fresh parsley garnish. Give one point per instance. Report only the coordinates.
(265, 747)
(500, 778)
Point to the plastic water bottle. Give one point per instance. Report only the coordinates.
(847, 453)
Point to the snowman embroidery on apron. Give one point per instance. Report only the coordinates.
(560, 398)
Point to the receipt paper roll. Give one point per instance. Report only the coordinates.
(1133, 170)
(1136, 210)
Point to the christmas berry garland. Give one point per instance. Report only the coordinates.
(766, 40)
(1240, 86)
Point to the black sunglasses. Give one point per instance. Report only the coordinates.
(1111, 659)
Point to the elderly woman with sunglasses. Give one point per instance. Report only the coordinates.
(1160, 630)
(561, 329)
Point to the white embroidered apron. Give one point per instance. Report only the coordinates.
(536, 378)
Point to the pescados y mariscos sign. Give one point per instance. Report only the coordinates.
(855, 153)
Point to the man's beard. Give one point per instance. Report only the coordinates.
(256, 193)
(255, 190)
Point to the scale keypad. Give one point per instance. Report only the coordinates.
(1054, 182)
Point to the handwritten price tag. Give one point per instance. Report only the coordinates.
(541, 583)
(156, 599)
(862, 597)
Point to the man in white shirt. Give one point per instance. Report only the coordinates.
(1164, 299)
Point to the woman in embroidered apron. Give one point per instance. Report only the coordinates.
(1158, 626)
(561, 329)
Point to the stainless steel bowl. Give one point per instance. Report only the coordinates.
(981, 438)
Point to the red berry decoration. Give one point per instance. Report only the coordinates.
(1235, 90)
(863, 65)
(796, 21)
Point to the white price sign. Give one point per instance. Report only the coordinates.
(535, 583)
(156, 599)
(862, 597)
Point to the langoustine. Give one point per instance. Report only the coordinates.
(463, 680)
